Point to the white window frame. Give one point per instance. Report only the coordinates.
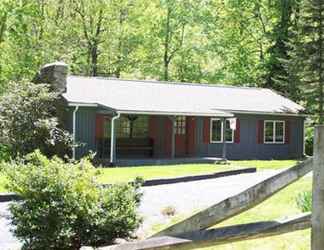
(222, 129)
(274, 132)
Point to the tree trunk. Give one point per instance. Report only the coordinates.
(94, 60)
(166, 59)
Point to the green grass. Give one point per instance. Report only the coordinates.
(125, 174)
(2, 183)
(281, 205)
(260, 165)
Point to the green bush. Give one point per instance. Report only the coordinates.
(28, 120)
(309, 134)
(304, 201)
(63, 207)
(4, 153)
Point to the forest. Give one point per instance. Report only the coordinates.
(263, 43)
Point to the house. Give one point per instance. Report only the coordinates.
(151, 119)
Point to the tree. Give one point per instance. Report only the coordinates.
(279, 51)
(92, 15)
(312, 56)
(28, 120)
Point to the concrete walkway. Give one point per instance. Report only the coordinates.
(183, 197)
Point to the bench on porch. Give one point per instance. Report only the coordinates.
(126, 147)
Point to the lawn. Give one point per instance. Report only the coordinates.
(279, 206)
(125, 174)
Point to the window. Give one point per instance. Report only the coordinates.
(128, 127)
(140, 127)
(274, 132)
(180, 125)
(217, 131)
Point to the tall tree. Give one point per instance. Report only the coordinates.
(279, 50)
(312, 56)
(92, 15)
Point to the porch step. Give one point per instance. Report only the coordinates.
(151, 162)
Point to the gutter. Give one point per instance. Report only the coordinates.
(113, 140)
(74, 131)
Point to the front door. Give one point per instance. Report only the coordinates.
(180, 136)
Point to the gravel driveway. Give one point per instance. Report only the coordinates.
(184, 197)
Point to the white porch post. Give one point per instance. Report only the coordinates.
(172, 118)
(74, 131)
(224, 139)
(113, 140)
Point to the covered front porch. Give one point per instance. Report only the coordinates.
(149, 139)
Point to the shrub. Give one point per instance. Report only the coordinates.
(28, 120)
(309, 134)
(169, 211)
(63, 207)
(4, 153)
(304, 201)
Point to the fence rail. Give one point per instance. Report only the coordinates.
(218, 236)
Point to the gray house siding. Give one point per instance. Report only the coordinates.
(85, 130)
(248, 148)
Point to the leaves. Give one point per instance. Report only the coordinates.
(28, 120)
(63, 207)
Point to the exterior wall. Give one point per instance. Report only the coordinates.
(85, 129)
(248, 147)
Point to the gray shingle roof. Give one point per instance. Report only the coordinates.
(175, 98)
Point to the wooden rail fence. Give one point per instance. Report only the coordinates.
(193, 232)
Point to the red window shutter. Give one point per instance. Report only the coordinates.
(99, 126)
(287, 132)
(206, 132)
(237, 133)
(260, 131)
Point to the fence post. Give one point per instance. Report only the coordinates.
(318, 190)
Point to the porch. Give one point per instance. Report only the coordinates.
(143, 139)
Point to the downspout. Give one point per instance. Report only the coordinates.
(224, 140)
(74, 131)
(113, 140)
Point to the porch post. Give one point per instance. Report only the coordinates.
(224, 139)
(172, 118)
(113, 140)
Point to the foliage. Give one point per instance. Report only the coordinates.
(304, 201)
(312, 57)
(28, 122)
(4, 153)
(63, 207)
(309, 140)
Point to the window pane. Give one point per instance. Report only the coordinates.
(122, 127)
(269, 131)
(140, 127)
(229, 132)
(216, 130)
(180, 125)
(279, 132)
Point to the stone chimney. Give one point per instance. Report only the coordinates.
(53, 74)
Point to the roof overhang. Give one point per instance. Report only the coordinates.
(216, 113)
